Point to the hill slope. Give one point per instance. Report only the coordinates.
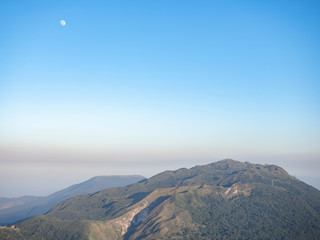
(6, 203)
(222, 200)
(15, 209)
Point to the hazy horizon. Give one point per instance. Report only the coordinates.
(139, 87)
(50, 177)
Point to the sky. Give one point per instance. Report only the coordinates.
(139, 87)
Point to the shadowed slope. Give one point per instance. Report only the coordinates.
(222, 200)
(30, 206)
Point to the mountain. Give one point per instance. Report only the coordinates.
(222, 200)
(14, 209)
(12, 202)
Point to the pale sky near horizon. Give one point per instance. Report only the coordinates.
(138, 87)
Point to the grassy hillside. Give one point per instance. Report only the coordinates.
(29, 206)
(8, 233)
(222, 200)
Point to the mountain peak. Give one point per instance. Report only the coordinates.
(227, 199)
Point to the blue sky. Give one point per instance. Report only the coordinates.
(137, 87)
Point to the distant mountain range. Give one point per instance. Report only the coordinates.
(14, 209)
(222, 200)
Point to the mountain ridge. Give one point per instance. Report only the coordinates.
(39, 205)
(221, 200)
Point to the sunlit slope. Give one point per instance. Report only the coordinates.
(222, 200)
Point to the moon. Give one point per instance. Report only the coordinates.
(62, 22)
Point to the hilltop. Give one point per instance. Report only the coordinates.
(222, 200)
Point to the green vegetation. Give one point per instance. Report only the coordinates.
(265, 214)
(8, 233)
(31, 206)
(222, 200)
